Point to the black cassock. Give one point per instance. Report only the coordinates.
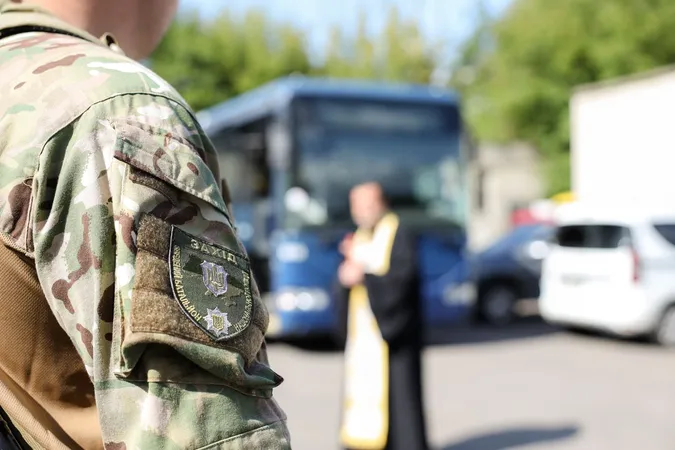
(395, 302)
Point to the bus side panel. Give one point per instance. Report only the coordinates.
(303, 268)
(304, 265)
(446, 292)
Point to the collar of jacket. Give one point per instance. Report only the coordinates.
(24, 16)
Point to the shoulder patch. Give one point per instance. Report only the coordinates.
(211, 284)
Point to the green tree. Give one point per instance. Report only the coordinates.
(539, 50)
(350, 58)
(398, 53)
(211, 61)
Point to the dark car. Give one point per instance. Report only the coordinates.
(508, 271)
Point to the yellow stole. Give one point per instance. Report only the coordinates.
(365, 422)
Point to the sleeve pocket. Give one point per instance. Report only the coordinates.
(193, 295)
(169, 158)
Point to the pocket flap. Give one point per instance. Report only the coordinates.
(169, 158)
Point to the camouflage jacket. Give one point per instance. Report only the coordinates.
(110, 185)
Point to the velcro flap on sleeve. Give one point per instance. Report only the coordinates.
(199, 298)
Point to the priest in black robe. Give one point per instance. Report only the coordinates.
(378, 294)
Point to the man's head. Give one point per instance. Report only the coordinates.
(368, 204)
(138, 25)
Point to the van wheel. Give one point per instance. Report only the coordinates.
(497, 304)
(665, 332)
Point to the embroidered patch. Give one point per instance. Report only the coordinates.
(211, 284)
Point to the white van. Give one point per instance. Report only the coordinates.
(612, 269)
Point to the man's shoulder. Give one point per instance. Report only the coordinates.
(58, 84)
(62, 97)
(62, 74)
(406, 234)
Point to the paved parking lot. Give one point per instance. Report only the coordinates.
(529, 387)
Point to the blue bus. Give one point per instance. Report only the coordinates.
(292, 149)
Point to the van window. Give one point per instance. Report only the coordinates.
(593, 236)
(667, 231)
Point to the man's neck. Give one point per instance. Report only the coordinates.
(382, 216)
(87, 15)
(77, 13)
(371, 229)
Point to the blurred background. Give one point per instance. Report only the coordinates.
(528, 142)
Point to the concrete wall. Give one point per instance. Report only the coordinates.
(501, 178)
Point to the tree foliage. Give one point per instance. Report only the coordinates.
(516, 72)
(522, 67)
(398, 53)
(212, 60)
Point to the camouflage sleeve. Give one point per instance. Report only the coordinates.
(141, 266)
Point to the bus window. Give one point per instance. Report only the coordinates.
(412, 150)
(242, 160)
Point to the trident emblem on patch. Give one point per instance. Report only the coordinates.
(217, 322)
(214, 277)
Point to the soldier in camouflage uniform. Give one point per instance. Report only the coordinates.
(129, 318)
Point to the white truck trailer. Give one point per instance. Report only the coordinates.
(623, 139)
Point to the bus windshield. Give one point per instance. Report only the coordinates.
(413, 150)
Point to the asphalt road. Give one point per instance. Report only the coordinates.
(529, 387)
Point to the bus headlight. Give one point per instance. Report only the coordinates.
(292, 252)
(300, 299)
